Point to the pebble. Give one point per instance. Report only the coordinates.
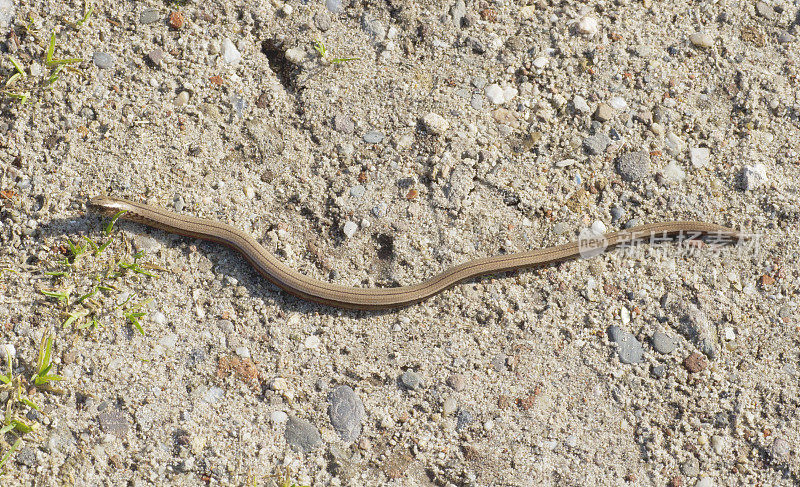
(182, 99)
(754, 176)
(278, 417)
(699, 156)
(243, 352)
(411, 380)
(302, 435)
(695, 362)
(379, 210)
(580, 104)
(334, 6)
(705, 482)
(435, 123)
(634, 166)
(230, 54)
(588, 26)
(779, 450)
(690, 467)
(103, 60)
(765, 10)
(114, 422)
(603, 113)
(457, 381)
(373, 137)
(8, 350)
(673, 172)
(312, 342)
(156, 56)
(458, 11)
(618, 103)
(464, 418)
(296, 55)
(449, 406)
(373, 27)
(663, 343)
(27, 455)
(149, 16)
(349, 229)
(322, 20)
(528, 12)
(701, 39)
(596, 144)
(658, 371)
(346, 413)
(343, 123)
(357, 191)
(628, 347)
(213, 395)
(674, 143)
(494, 94)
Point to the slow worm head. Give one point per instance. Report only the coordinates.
(339, 296)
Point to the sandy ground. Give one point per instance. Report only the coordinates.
(460, 130)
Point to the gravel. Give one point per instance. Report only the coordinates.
(663, 343)
(302, 435)
(634, 166)
(411, 380)
(629, 349)
(103, 60)
(346, 413)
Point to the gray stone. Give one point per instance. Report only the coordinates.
(357, 191)
(27, 457)
(628, 347)
(156, 56)
(458, 11)
(765, 10)
(343, 123)
(322, 20)
(596, 144)
(346, 412)
(373, 137)
(464, 418)
(103, 60)
(113, 421)
(754, 176)
(663, 343)
(302, 435)
(150, 16)
(457, 382)
(411, 380)
(779, 450)
(658, 371)
(373, 27)
(634, 166)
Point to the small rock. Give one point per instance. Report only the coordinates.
(349, 229)
(27, 457)
(103, 60)
(322, 20)
(596, 145)
(618, 103)
(674, 143)
(658, 371)
(230, 54)
(156, 56)
(495, 94)
(278, 417)
(765, 10)
(464, 418)
(458, 11)
(779, 450)
(691, 467)
(673, 172)
(346, 412)
(528, 12)
(695, 363)
(213, 395)
(588, 26)
(296, 55)
(628, 347)
(580, 104)
(113, 421)
(603, 113)
(182, 98)
(373, 137)
(705, 482)
(754, 176)
(334, 6)
(175, 20)
(634, 166)
(343, 123)
(357, 191)
(411, 380)
(149, 16)
(373, 27)
(701, 39)
(302, 435)
(663, 343)
(700, 156)
(645, 117)
(457, 381)
(435, 123)
(449, 406)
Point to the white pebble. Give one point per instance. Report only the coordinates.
(349, 229)
(598, 227)
(249, 192)
(673, 172)
(278, 417)
(580, 104)
(230, 54)
(704, 482)
(8, 350)
(618, 103)
(509, 93)
(754, 176)
(541, 62)
(312, 342)
(287, 9)
(701, 39)
(158, 318)
(243, 352)
(494, 93)
(588, 26)
(700, 156)
(674, 143)
(296, 55)
(182, 99)
(435, 123)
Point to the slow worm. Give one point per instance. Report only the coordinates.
(335, 295)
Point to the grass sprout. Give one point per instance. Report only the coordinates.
(319, 46)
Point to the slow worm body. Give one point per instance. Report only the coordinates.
(339, 296)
